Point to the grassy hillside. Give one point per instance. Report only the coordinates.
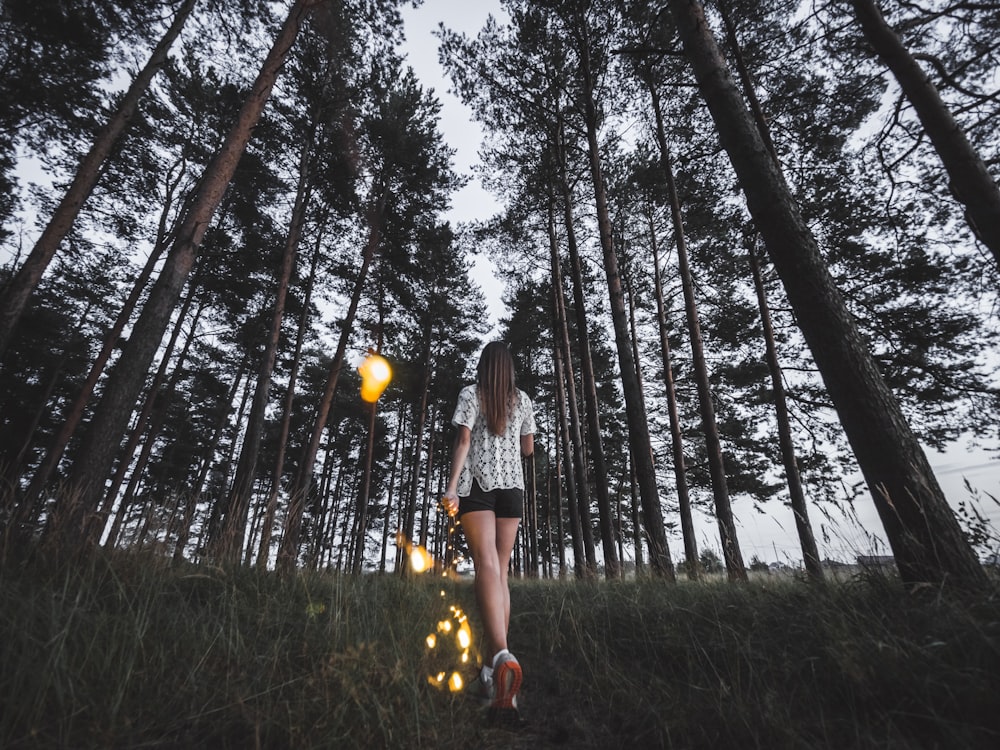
(126, 651)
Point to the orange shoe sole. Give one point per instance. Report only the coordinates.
(507, 679)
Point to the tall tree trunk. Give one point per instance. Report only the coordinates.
(238, 504)
(612, 565)
(325, 522)
(969, 179)
(807, 541)
(561, 335)
(735, 568)
(366, 477)
(557, 433)
(300, 492)
(318, 522)
(194, 495)
(638, 427)
(267, 526)
(428, 472)
(150, 401)
(530, 530)
(749, 90)
(810, 553)
(580, 567)
(111, 417)
(400, 417)
(156, 398)
(54, 453)
(416, 459)
(922, 530)
(256, 515)
(407, 507)
(27, 437)
(636, 524)
(691, 562)
(546, 530)
(19, 289)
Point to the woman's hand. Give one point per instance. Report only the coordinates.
(450, 502)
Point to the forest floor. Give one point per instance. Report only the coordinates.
(126, 650)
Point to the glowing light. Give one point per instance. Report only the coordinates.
(464, 636)
(375, 376)
(436, 680)
(451, 649)
(420, 559)
(451, 646)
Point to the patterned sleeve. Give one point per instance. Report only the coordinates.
(467, 408)
(528, 423)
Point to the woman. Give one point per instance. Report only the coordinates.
(486, 490)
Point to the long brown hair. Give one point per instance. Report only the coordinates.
(495, 386)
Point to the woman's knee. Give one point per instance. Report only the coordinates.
(488, 567)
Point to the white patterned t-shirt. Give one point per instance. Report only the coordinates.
(494, 460)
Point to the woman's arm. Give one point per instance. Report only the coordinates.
(527, 444)
(462, 441)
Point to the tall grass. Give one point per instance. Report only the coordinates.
(126, 651)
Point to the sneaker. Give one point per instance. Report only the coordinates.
(506, 682)
(482, 690)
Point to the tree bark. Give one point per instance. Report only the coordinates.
(194, 495)
(691, 561)
(419, 428)
(428, 466)
(153, 412)
(638, 427)
(366, 478)
(267, 526)
(561, 334)
(921, 529)
(530, 531)
(970, 181)
(810, 553)
(288, 549)
(23, 284)
(238, 505)
(807, 541)
(580, 567)
(556, 507)
(361, 512)
(43, 474)
(612, 564)
(400, 417)
(735, 569)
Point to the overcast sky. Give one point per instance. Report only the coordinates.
(460, 131)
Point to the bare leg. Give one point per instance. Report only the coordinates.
(506, 535)
(491, 542)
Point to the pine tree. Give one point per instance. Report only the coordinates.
(20, 287)
(921, 529)
(970, 180)
(104, 434)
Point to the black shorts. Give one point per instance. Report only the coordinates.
(505, 503)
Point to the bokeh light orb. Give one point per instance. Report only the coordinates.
(375, 376)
